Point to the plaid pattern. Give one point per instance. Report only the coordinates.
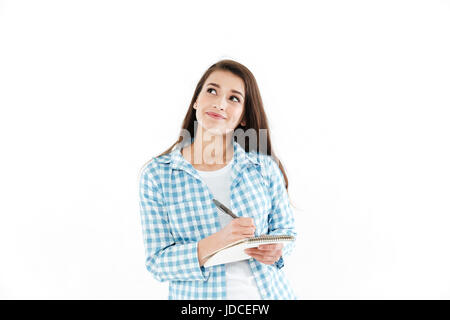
(177, 211)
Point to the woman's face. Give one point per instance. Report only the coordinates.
(223, 93)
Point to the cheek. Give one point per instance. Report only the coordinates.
(237, 114)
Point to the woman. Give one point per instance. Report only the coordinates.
(182, 225)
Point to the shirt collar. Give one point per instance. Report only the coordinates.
(240, 160)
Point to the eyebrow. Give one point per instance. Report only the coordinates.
(216, 85)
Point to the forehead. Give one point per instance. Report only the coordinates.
(226, 80)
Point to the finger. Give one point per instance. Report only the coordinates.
(274, 253)
(263, 259)
(274, 246)
(268, 247)
(245, 222)
(264, 255)
(247, 231)
(261, 255)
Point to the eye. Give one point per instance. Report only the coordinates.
(208, 90)
(236, 98)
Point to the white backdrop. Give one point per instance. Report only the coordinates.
(357, 96)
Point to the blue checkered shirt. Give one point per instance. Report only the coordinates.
(177, 211)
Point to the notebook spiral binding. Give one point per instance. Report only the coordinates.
(270, 238)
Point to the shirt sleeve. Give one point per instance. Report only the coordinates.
(281, 217)
(165, 259)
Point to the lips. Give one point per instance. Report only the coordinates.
(215, 115)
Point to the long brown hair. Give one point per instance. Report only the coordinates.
(254, 115)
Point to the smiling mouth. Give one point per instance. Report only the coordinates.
(214, 115)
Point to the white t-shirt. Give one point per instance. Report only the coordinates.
(241, 283)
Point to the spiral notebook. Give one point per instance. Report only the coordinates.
(235, 251)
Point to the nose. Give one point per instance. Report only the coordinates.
(222, 103)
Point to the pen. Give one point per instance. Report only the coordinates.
(224, 208)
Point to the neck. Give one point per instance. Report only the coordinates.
(211, 149)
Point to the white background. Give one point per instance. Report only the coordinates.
(357, 96)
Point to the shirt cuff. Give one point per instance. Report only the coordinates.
(201, 270)
(280, 263)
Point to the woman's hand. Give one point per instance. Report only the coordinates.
(237, 229)
(266, 253)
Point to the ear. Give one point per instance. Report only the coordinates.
(243, 123)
